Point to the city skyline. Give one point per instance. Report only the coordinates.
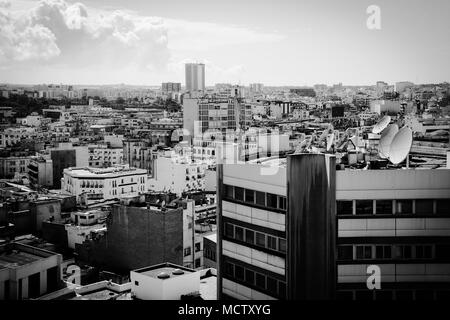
(141, 43)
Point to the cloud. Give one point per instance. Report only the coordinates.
(68, 34)
(55, 36)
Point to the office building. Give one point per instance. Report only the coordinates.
(301, 229)
(195, 77)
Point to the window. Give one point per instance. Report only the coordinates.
(271, 284)
(260, 198)
(239, 193)
(239, 272)
(364, 295)
(239, 233)
(249, 276)
(197, 247)
(344, 207)
(282, 203)
(404, 295)
(197, 263)
(383, 252)
(424, 252)
(443, 206)
(364, 207)
(282, 245)
(187, 251)
(442, 251)
(228, 192)
(282, 289)
(272, 242)
(363, 252)
(272, 200)
(384, 207)
(136, 283)
(404, 252)
(345, 252)
(260, 239)
(424, 206)
(249, 236)
(260, 281)
(404, 206)
(229, 269)
(249, 196)
(229, 232)
(383, 295)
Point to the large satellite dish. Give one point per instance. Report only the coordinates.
(386, 139)
(401, 145)
(330, 139)
(381, 125)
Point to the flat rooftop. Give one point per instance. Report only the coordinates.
(103, 294)
(17, 258)
(167, 268)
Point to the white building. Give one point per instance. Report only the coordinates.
(177, 174)
(97, 185)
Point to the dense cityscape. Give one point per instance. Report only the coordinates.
(188, 191)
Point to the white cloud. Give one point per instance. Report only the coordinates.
(54, 34)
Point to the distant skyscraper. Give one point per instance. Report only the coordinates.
(195, 77)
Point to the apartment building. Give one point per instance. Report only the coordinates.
(292, 231)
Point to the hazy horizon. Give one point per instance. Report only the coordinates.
(277, 43)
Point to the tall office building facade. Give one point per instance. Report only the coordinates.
(299, 229)
(195, 77)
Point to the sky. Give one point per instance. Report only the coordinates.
(283, 42)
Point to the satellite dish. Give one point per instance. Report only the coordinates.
(386, 139)
(400, 145)
(330, 140)
(381, 125)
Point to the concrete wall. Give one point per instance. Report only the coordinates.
(136, 238)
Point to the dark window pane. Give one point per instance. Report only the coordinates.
(442, 251)
(249, 276)
(364, 295)
(364, 207)
(282, 203)
(367, 252)
(249, 196)
(345, 253)
(228, 192)
(229, 230)
(344, 295)
(424, 295)
(272, 242)
(424, 206)
(239, 193)
(249, 236)
(282, 245)
(443, 206)
(383, 295)
(260, 281)
(344, 207)
(404, 295)
(261, 239)
(384, 207)
(260, 198)
(229, 269)
(272, 200)
(443, 295)
(404, 206)
(282, 290)
(239, 233)
(239, 272)
(272, 285)
(407, 252)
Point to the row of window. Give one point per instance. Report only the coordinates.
(390, 251)
(262, 199)
(393, 295)
(399, 206)
(256, 238)
(259, 281)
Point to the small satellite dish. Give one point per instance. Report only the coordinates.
(400, 145)
(386, 139)
(330, 140)
(381, 125)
